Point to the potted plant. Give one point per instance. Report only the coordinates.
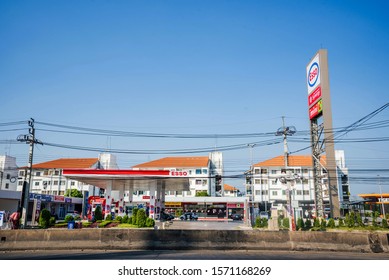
(70, 220)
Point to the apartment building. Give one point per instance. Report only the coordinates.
(267, 188)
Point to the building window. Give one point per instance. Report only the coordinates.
(7, 185)
(264, 192)
(8, 176)
(61, 192)
(264, 181)
(299, 192)
(38, 173)
(198, 171)
(36, 184)
(205, 171)
(305, 181)
(257, 192)
(72, 183)
(305, 192)
(274, 182)
(274, 171)
(55, 183)
(305, 170)
(62, 183)
(205, 182)
(21, 173)
(274, 193)
(283, 192)
(256, 171)
(20, 183)
(55, 193)
(56, 172)
(257, 181)
(198, 182)
(263, 171)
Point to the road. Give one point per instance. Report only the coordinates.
(188, 255)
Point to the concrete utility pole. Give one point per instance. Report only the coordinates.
(251, 146)
(287, 131)
(31, 140)
(382, 200)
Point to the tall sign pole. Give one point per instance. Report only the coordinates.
(322, 137)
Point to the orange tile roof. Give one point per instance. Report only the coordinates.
(297, 160)
(67, 163)
(175, 162)
(229, 188)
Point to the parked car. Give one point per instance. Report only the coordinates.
(237, 217)
(189, 216)
(166, 216)
(264, 214)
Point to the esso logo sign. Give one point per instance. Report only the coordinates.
(178, 173)
(313, 74)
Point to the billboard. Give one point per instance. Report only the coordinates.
(314, 87)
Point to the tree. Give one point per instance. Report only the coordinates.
(73, 193)
(134, 216)
(44, 218)
(300, 224)
(98, 214)
(141, 218)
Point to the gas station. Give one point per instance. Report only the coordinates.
(157, 182)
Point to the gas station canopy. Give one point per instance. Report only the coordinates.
(137, 179)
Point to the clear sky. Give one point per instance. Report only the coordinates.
(192, 67)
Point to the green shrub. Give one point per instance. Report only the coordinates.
(44, 218)
(130, 220)
(300, 224)
(285, 222)
(261, 222)
(119, 219)
(98, 214)
(150, 222)
(316, 223)
(323, 224)
(308, 224)
(341, 223)
(134, 216)
(384, 223)
(52, 221)
(359, 220)
(69, 218)
(331, 223)
(141, 218)
(109, 217)
(125, 219)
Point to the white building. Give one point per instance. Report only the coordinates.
(269, 190)
(8, 173)
(200, 169)
(47, 176)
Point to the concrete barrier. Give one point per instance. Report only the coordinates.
(149, 239)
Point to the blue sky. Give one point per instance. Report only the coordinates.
(193, 67)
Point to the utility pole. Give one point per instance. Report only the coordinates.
(287, 131)
(251, 146)
(382, 200)
(31, 140)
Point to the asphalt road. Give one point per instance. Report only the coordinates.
(188, 255)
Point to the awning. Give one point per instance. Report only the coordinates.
(138, 179)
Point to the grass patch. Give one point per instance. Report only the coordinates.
(127, 226)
